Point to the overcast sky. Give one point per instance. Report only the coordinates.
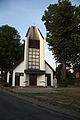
(23, 13)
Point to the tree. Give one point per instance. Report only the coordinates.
(62, 21)
(10, 47)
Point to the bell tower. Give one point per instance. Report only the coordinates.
(34, 49)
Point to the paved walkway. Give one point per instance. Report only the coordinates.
(33, 90)
(38, 90)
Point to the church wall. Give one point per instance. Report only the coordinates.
(41, 80)
(19, 69)
(42, 62)
(22, 81)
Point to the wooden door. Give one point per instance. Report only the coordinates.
(48, 79)
(17, 80)
(33, 79)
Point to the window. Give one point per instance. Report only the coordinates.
(34, 44)
(33, 59)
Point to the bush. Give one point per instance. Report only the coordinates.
(67, 82)
(5, 84)
(63, 84)
(77, 82)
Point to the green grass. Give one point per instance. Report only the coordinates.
(66, 99)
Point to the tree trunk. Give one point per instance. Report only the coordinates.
(63, 71)
(1, 74)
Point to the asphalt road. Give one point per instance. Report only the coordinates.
(14, 108)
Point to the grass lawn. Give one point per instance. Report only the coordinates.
(66, 99)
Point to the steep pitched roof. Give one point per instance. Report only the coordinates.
(34, 34)
(18, 62)
(49, 66)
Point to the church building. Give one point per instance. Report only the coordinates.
(33, 70)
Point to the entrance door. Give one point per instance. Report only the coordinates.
(33, 80)
(17, 80)
(10, 80)
(48, 79)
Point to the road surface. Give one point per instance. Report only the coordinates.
(15, 108)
